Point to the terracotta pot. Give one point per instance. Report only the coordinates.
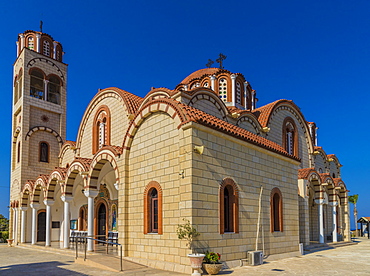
(196, 261)
(10, 242)
(212, 269)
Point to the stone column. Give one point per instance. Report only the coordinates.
(335, 226)
(246, 94)
(55, 50)
(66, 200)
(17, 48)
(34, 207)
(46, 90)
(48, 203)
(15, 225)
(233, 92)
(347, 224)
(38, 43)
(90, 194)
(23, 223)
(320, 203)
(213, 78)
(22, 42)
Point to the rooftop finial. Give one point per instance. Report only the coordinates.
(41, 23)
(220, 59)
(210, 62)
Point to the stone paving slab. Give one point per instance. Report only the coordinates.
(348, 260)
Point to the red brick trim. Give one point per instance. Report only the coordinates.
(234, 211)
(273, 210)
(295, 138)
(147, 212)
(103, 113)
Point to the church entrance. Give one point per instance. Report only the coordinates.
(41, 226)
(102, 220)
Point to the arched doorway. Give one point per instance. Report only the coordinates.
(41, 226)
(102, 220)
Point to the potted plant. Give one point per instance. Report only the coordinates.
(212, 263)
(188, 232)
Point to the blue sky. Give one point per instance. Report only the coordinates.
(315, 53)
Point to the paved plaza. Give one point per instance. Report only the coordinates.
(348, 260)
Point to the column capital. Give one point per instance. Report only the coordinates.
(65, 198)
(23, 208)
(320, 201)
(35, 205)
(91, 193)
(48, 202)
(233, 76)
(334, 203)
(116, 185)
(213, 77)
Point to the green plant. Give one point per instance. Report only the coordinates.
(353, 199)
(187, 232)
(211, 257)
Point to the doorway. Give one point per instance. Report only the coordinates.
(41, 226)
(102, 221)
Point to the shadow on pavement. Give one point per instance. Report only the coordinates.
(45, 268)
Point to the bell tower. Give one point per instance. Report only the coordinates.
(39, 109)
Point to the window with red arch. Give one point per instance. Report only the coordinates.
(153, 209)
(228, 207)
(276, 210)
(290, 136)
(101, 128)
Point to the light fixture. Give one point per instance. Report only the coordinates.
(199, 149)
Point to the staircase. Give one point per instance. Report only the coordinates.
(315, 246)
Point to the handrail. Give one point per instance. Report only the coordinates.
(103, 241)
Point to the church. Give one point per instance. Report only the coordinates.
(242, 174)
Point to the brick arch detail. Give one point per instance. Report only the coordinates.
(75, 169)
(47, 129)
(251, 121)
(300, 118)
(33, 61)
(97, 164)
(159, 105)
(213, 99)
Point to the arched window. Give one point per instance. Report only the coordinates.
(238, 95)
(228, 207)
(290, 137)
(37, 84)
(153, 208)
(101, 128)
(46, 48)
(276, 208)
(54, 90)
(222, 89)
(19, 152)
(44, 152)
(30, 43)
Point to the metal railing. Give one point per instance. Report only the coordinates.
(85, 238)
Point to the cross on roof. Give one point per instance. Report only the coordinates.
(220, 59)
(209, 64)
(41, 23)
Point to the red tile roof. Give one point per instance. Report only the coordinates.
(132, 101)
(198, 116)
(263, 113)
(304, 173)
